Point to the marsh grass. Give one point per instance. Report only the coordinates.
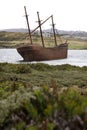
(15, 39)
(77, 44)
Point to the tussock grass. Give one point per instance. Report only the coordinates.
(37, 74)
(31, 94)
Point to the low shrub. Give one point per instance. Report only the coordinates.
(23, 69)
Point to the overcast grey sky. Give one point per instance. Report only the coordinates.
(68, 14)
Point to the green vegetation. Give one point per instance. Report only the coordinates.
(77, 43)
(37, 96)
(14, 39)
(39, 74)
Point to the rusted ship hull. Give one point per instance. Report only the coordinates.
(39, 53)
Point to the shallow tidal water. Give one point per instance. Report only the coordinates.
(75, 57)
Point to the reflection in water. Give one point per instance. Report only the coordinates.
(75, 57)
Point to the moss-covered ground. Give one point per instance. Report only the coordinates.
(40, 96)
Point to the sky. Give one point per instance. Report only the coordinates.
(68, 14)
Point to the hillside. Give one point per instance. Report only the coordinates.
(61, 32)
(12, 38)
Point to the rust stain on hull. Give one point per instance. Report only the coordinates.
(39, 53)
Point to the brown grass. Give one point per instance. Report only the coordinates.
(14, 39)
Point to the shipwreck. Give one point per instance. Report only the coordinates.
(34, 52)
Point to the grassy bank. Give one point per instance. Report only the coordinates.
(14, 39)
(37, 74)
(39, 97)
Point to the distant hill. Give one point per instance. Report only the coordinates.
(15, 30)
(61, 32)
(74, 33)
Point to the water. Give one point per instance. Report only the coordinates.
(75, 57)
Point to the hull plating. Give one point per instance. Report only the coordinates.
(39, 53)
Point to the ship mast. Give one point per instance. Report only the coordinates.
(53, 25)
(29, 32)
(39, 22)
